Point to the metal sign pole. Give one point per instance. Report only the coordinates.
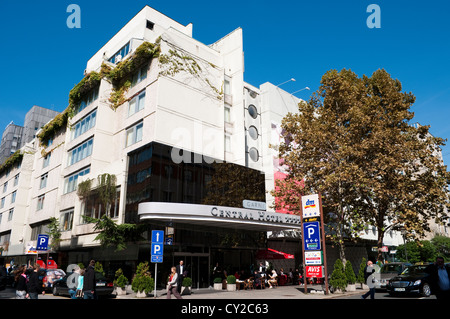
(303, 249)
(156, 269)
(323, 245)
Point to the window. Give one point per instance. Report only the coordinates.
(43, 181)
(71, 181)
(252, 111)
(92, 206)
(150, 25)
(227, 142)
(5, 187)
(66, 220)
(227, 116)
(80, 152)
(40, 202)
(38, 229)
(16, 179)
(90, 98)
(136, 104)
(254, 154)
(134, 134)
(119, 55)
(46, 160)
(2, 203)
(85, 124)
(13, 197)
(10, 214)
(253, 132)
(139, 76)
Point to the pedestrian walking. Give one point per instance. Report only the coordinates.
(172, 284)
(181, 272)
(89, 282)
(439, 278)
(79, 291)
(34, 287)
(369, 278)
(21, 282)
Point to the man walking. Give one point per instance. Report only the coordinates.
(439, 278)
(181, 271)
(89, 281)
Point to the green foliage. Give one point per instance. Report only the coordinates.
(338, 279)
(98, 267)
(120, 281)
(84, 189)
(425, 250)
(187, 282)
(349, 273)
(14, 159)
(54, 233)
(106, 189)
(112, 234)
(81, 265)
(55, 126)
(217, 280)
(143, 281)
(231, 279)
(360, 278)
(90, 82)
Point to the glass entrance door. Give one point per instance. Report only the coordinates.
(197, 265)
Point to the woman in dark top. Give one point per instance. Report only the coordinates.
(21, 282)
(34, 287)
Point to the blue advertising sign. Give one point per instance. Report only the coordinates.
(42, 242)
(311, 235)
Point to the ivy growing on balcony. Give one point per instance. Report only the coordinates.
(14, 159)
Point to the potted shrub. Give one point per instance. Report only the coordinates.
(186, 286)
(142, 283)
(350, 275)
(120, 282)
(338, 281)
(217, 283)
(360, 278)
(231, 283)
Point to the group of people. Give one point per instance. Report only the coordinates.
(82, 283)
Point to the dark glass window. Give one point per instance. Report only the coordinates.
(154, 177)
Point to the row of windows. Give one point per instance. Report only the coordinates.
(16, 181)
(80, 152)
(84, 125)
(13, 199)
(10, 216)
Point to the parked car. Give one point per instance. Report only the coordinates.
(51, 275)
(413, 279)
(389, 271)
(104, 286)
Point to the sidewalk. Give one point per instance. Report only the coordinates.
(281, 292)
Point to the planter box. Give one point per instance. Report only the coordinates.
(351, 287)
(186, 290)
(231, 287)
(121, 291)
(141, 294)
(218, 286)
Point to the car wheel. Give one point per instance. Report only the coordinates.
(426, 290)
(55, 291)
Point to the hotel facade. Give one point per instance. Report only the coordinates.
(191, 145)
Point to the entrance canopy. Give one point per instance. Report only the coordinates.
(218, 216)
(269, 253)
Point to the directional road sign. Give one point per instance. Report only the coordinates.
(157, 248)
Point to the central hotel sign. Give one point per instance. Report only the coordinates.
(228, 212)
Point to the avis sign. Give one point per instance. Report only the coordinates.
(314, 271)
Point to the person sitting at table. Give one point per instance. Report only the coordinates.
(273, 278)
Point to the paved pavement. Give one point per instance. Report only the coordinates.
(281, 292)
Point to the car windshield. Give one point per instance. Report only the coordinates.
(414, 270)
(388, 268)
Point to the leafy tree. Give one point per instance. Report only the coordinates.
(442, 245)
(360, 278)
(353, 143)
(112, 234)
(418, 251)
(54, 233)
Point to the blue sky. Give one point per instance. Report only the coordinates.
(42, 59)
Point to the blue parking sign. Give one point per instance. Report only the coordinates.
(157, 236)
(311, 235)
(42, 242)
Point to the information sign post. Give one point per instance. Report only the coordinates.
(157, 251)
(313, 235)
